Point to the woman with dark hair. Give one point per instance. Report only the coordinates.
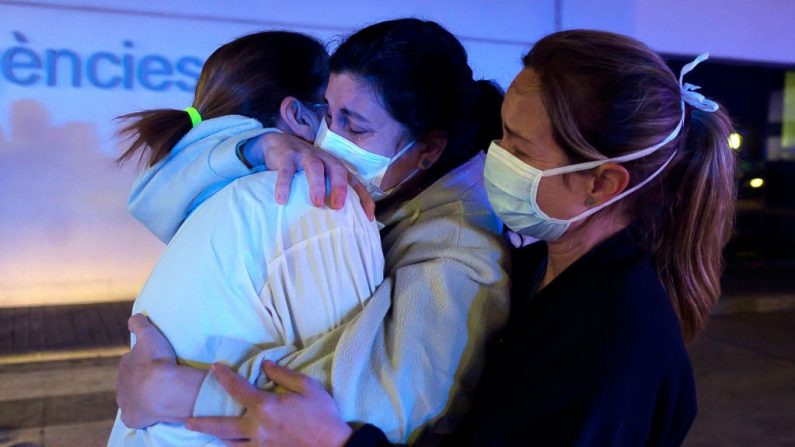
(405, 117)
(624, 173)
(306, 270)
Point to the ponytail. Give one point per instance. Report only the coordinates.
(477, 122)
(249, 76)
(699, 195)
(152, 134)
(486, 114)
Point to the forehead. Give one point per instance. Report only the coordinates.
(523, 110)
(357, 95)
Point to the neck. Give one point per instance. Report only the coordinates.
(576, 242)
(407, 191)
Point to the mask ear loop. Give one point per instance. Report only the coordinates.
(615, 199)
(399, 154)
(402, 151)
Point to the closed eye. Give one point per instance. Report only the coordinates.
(356, 130)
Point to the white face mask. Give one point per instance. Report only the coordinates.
(512, 185)
(367, 166)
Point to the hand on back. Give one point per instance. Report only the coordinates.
(288, 154)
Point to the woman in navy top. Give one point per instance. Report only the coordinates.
(593, 358)
(624, 174)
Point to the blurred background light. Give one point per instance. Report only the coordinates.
(735, 141)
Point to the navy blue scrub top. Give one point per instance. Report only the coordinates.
(595, 358)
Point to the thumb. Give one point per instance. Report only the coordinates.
(138, 323)
(149, 341)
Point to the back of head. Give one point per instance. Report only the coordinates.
(422, 75)
(249, 76)
(609, 95)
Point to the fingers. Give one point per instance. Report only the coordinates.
(289, 379)
(316, 175)
(222, 427)
(125, 359)
(138, 323)
(287, 154)
(284, 180)
(338, 179)
(236, 385)
(368, 204)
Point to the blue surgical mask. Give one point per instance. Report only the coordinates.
(368, 167)
(512, 185)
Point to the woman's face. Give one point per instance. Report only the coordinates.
(355, 112)
(527, 134)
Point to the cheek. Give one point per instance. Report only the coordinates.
(381, 141)
(558, 199)
(339, 128)
(372, 142)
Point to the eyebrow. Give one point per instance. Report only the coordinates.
(514, 133)
(353, 114)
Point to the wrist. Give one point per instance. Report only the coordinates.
(246, 155)
(339, 436)
(177, 389)
(254, 150)
(262, 145)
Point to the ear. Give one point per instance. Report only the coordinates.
(297, 119)
(432, 148)
(609, 180)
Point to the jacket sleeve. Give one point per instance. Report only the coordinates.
(166, 193)
(415, 352)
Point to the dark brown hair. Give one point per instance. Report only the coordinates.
(249, 76)
(608, 95)
(423, 77)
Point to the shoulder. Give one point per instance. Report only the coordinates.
(451, 235)
(248, 195)
(646, 370)
(632, 310)
(233, 215)
(217, 129)
(251, 199)
(456, 209)
(245, 214)
(637, 307)
(609, 336)
(255, 194)
(299, 220)
(453, 231)
(299, 210)
(625, 322)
